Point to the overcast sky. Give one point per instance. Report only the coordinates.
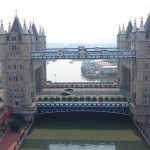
(70, 21)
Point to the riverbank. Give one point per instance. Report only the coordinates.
(76, 129)
(144, 130)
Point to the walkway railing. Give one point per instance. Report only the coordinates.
(5, 112)
(83, 53)
(81, 84)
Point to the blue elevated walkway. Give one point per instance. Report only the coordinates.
(82, 53)
(121, 108)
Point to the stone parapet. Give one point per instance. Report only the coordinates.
(26, 110)
(139, 110)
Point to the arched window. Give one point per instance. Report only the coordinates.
(21, 78)
(9, 67)
(146, 65)
(145, 78)
(15, 67)
(9, 78)
(20, 66)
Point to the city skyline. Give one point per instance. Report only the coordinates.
(76, 21)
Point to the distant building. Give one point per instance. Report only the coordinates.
(98, 69)
(106, 69)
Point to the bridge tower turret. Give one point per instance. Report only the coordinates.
(123, 43)
(15, 47)
(133, 46)
(40, 45)
(140, 106)
(121, 40)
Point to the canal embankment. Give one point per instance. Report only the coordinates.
(144, 129)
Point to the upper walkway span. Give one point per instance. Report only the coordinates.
(81, 53)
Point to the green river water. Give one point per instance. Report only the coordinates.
(83, 131)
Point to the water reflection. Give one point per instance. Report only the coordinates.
(76, 145)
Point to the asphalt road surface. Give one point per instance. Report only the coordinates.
(84, 92)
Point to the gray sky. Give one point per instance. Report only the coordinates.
(70, 21)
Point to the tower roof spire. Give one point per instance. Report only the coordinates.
(2, 28)
(141, 25)
(9, 27)
(43, 32)
(40, 31)
(25, 30)
(123, 30)
(134, 27)
(119, 30)
(16, 26)
(30, 28)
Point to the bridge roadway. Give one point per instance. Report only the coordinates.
(121, 108)
(84, 92)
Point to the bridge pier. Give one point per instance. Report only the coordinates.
(40, 77)
(138, 39)
(18, 71)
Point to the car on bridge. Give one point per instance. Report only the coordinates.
(65, 93)
(69, 89)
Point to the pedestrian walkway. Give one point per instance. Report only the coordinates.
(9, 140)
(12, 140)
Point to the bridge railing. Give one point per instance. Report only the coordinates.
(5, 112)
(82, 53)
(81, 84)
(83, 104)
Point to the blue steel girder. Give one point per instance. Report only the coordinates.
(121, 111)
(86, 53)
(116, 108)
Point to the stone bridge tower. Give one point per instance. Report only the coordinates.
(18, 72)
(138, 69)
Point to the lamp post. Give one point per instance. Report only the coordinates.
(115, 91)
(55, 79)
(55, 83)
(49, 91)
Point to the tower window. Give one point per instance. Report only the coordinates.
(16, 103)
(13, 38)
(145, 90)
(9, 67)
(9, 79)
(14, 47)
(15, 67)
(145, 79)
(15, 78)
(146, 65)
(20, 66)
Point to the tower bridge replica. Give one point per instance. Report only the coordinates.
(23, 56)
